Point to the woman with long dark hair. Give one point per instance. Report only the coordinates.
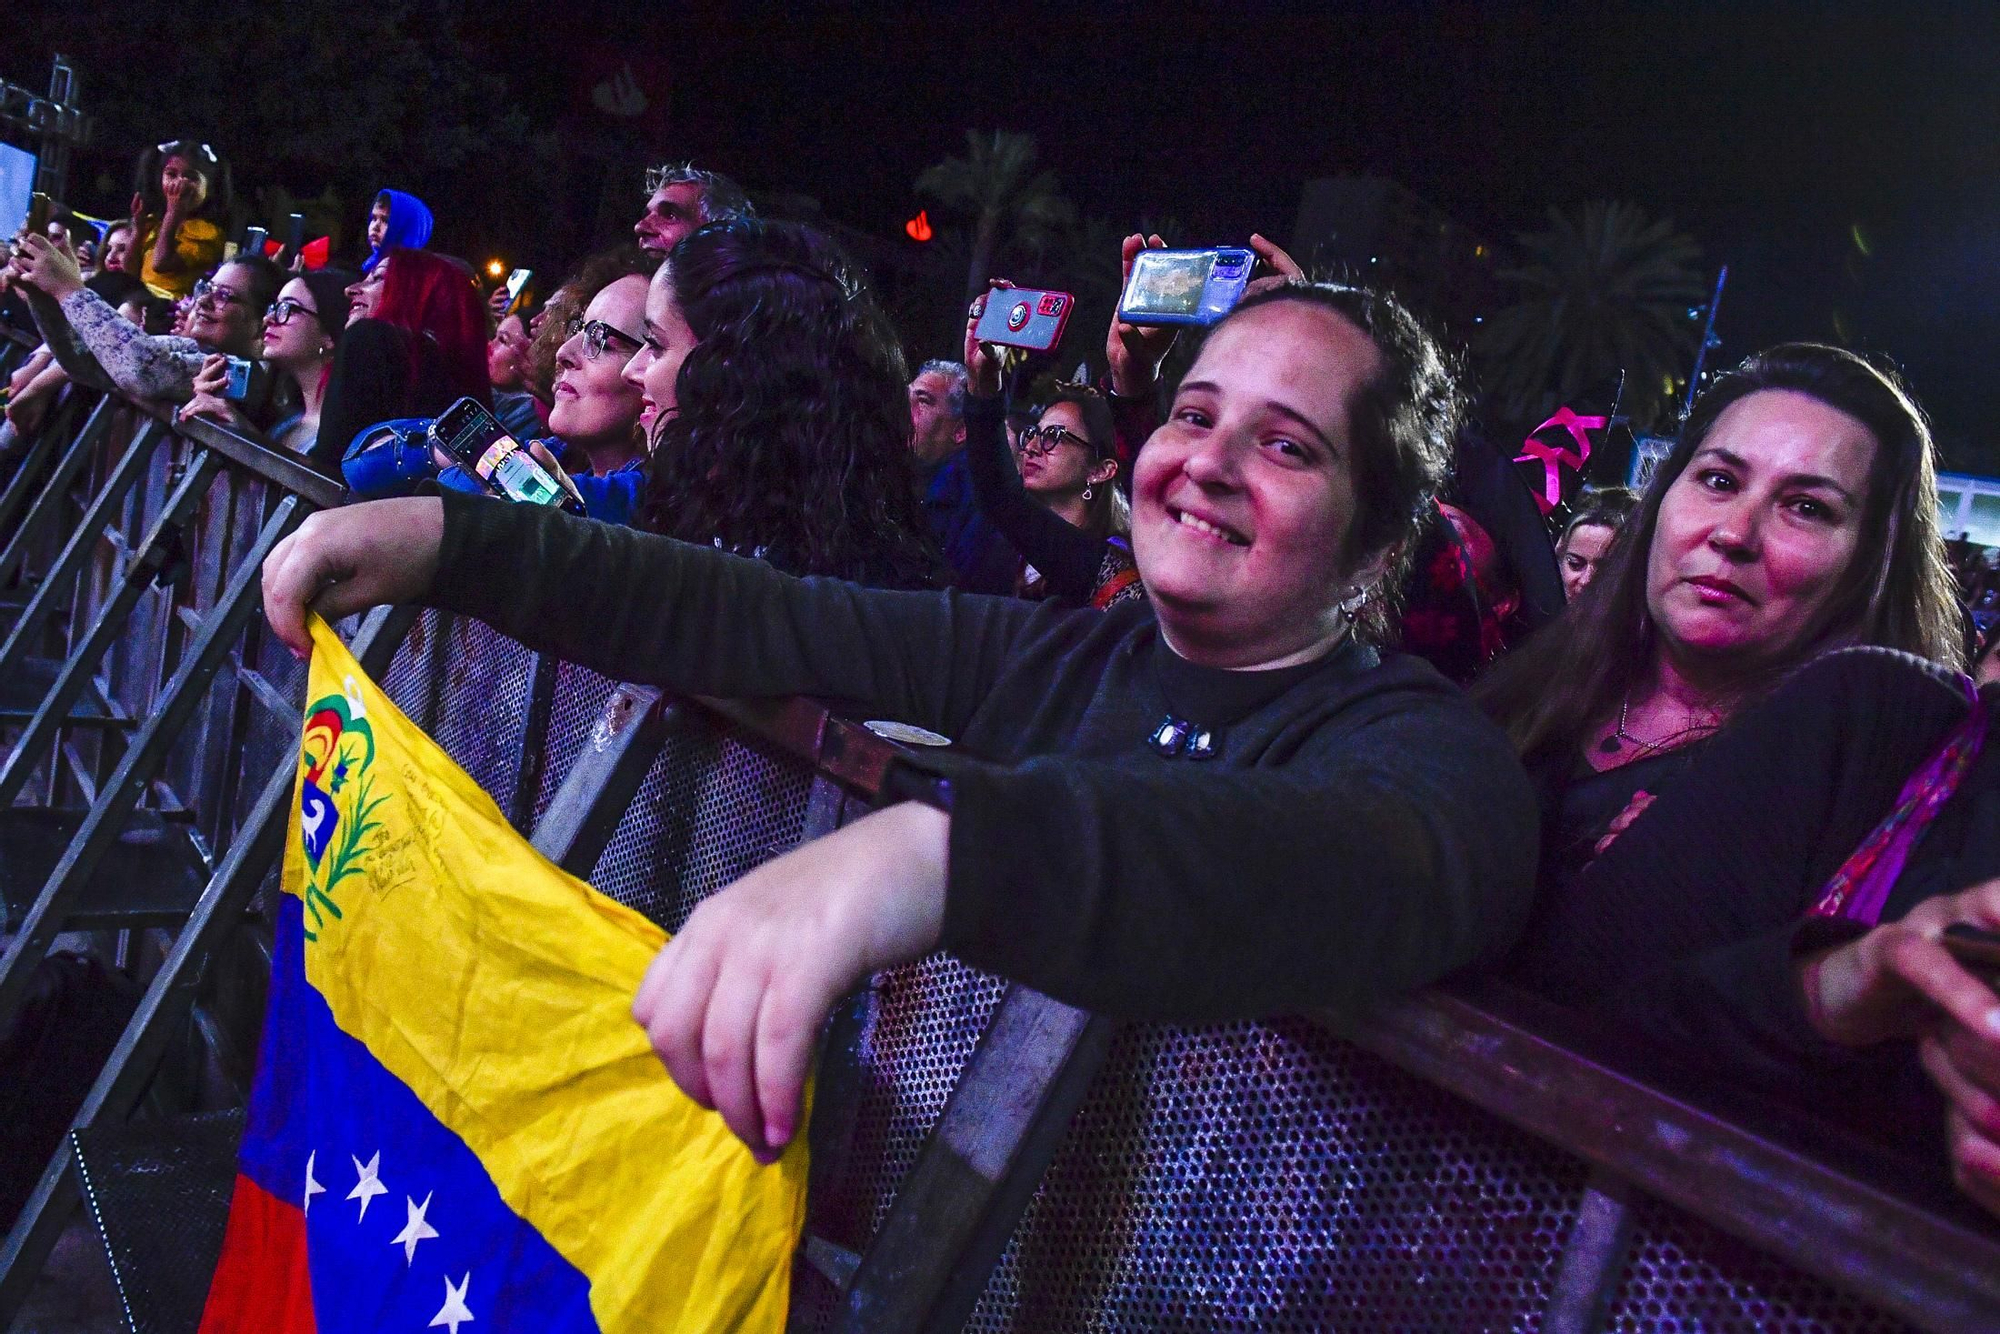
(181, 200)
(301, 330)
(775, 404)
(415, 345)
(1753, 744)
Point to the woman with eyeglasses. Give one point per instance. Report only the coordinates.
(594, 420)
(415, 344)
(1061, 509)
(82, 327)
(180, 205)
(301, 330)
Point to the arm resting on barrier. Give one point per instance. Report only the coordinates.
(1379, 859)
(640, 607)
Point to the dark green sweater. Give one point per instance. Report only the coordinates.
(1361, 830)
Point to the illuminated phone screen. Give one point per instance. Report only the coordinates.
(1169, 284)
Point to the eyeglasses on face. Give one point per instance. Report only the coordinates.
(284, 308)
(1043, 440)
(597, 336)
(204, 290)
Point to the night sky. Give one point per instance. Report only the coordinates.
(1841, 159)
(1785, 138)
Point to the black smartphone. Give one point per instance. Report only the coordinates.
(1978, 950)
(470, 435)
(295, 234)
(253, 240)
(517, 284)
(40, 206)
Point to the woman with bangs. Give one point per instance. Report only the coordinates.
(415, 344)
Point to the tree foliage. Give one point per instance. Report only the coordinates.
(1603, 290)
(1011, 206)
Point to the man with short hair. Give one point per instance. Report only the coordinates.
(681, 197)
(982, 561)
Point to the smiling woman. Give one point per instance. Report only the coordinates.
(1222, 804)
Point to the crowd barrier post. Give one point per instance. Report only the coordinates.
(120, 795)
(170, 995)
(60, 581)
(142, 567)
(27, 480)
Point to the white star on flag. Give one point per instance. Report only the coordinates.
(453, 1313)
(369, 1186)
(312, 1187)
(415, 1230)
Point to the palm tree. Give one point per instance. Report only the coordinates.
(1602, 291)
(1008, 200)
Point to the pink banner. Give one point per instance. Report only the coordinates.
(1554, 458)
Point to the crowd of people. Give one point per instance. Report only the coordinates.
(1199, 645)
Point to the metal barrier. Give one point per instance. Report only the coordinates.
(986, 1158)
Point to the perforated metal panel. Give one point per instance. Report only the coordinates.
(712, 806)
(1685, 1277)
(159, 1191)
(579, 701)
(483, 713)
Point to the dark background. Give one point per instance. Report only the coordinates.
(1839, 158)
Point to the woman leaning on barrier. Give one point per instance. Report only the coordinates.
(300, 332)
(1761, 771)
(1224, 803)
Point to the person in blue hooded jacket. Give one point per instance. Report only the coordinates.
(397, 219)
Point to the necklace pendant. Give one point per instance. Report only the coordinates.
(1609, 745)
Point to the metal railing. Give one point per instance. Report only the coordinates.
(984, 1157)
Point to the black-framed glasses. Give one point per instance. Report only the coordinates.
(1043, 440)
(204, 290)
(282, 310)
(597, 336)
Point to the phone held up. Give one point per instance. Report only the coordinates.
(1977, 951)
(243, 372)
(1024, 317)
(1185, 286)
(468, 434)
(40, 206)
(517, 284)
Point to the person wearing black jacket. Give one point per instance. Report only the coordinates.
(1219, 803)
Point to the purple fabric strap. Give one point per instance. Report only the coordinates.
(1859, 890)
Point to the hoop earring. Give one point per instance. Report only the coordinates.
(1352, 603)
(1086, 492)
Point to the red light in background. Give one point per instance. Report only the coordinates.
(919, 227)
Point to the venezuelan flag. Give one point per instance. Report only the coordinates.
(455, 1120)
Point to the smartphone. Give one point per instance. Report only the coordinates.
(517, 283)
(468, 434)
(241, 370)
(39, 208)
(1025, 317)
(1185, 286)
(295, 235)
(253, 240)
(1978, 950)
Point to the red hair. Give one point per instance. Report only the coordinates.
(438, 303)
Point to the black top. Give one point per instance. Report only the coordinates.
(1687, 929)
(1068, 558)
(1579, 804)
(372, 382)
(1363, 831)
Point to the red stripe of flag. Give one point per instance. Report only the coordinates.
(261, 1284)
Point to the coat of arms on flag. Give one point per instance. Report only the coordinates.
(456, 1122)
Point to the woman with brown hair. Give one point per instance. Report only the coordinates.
(1763, 790)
